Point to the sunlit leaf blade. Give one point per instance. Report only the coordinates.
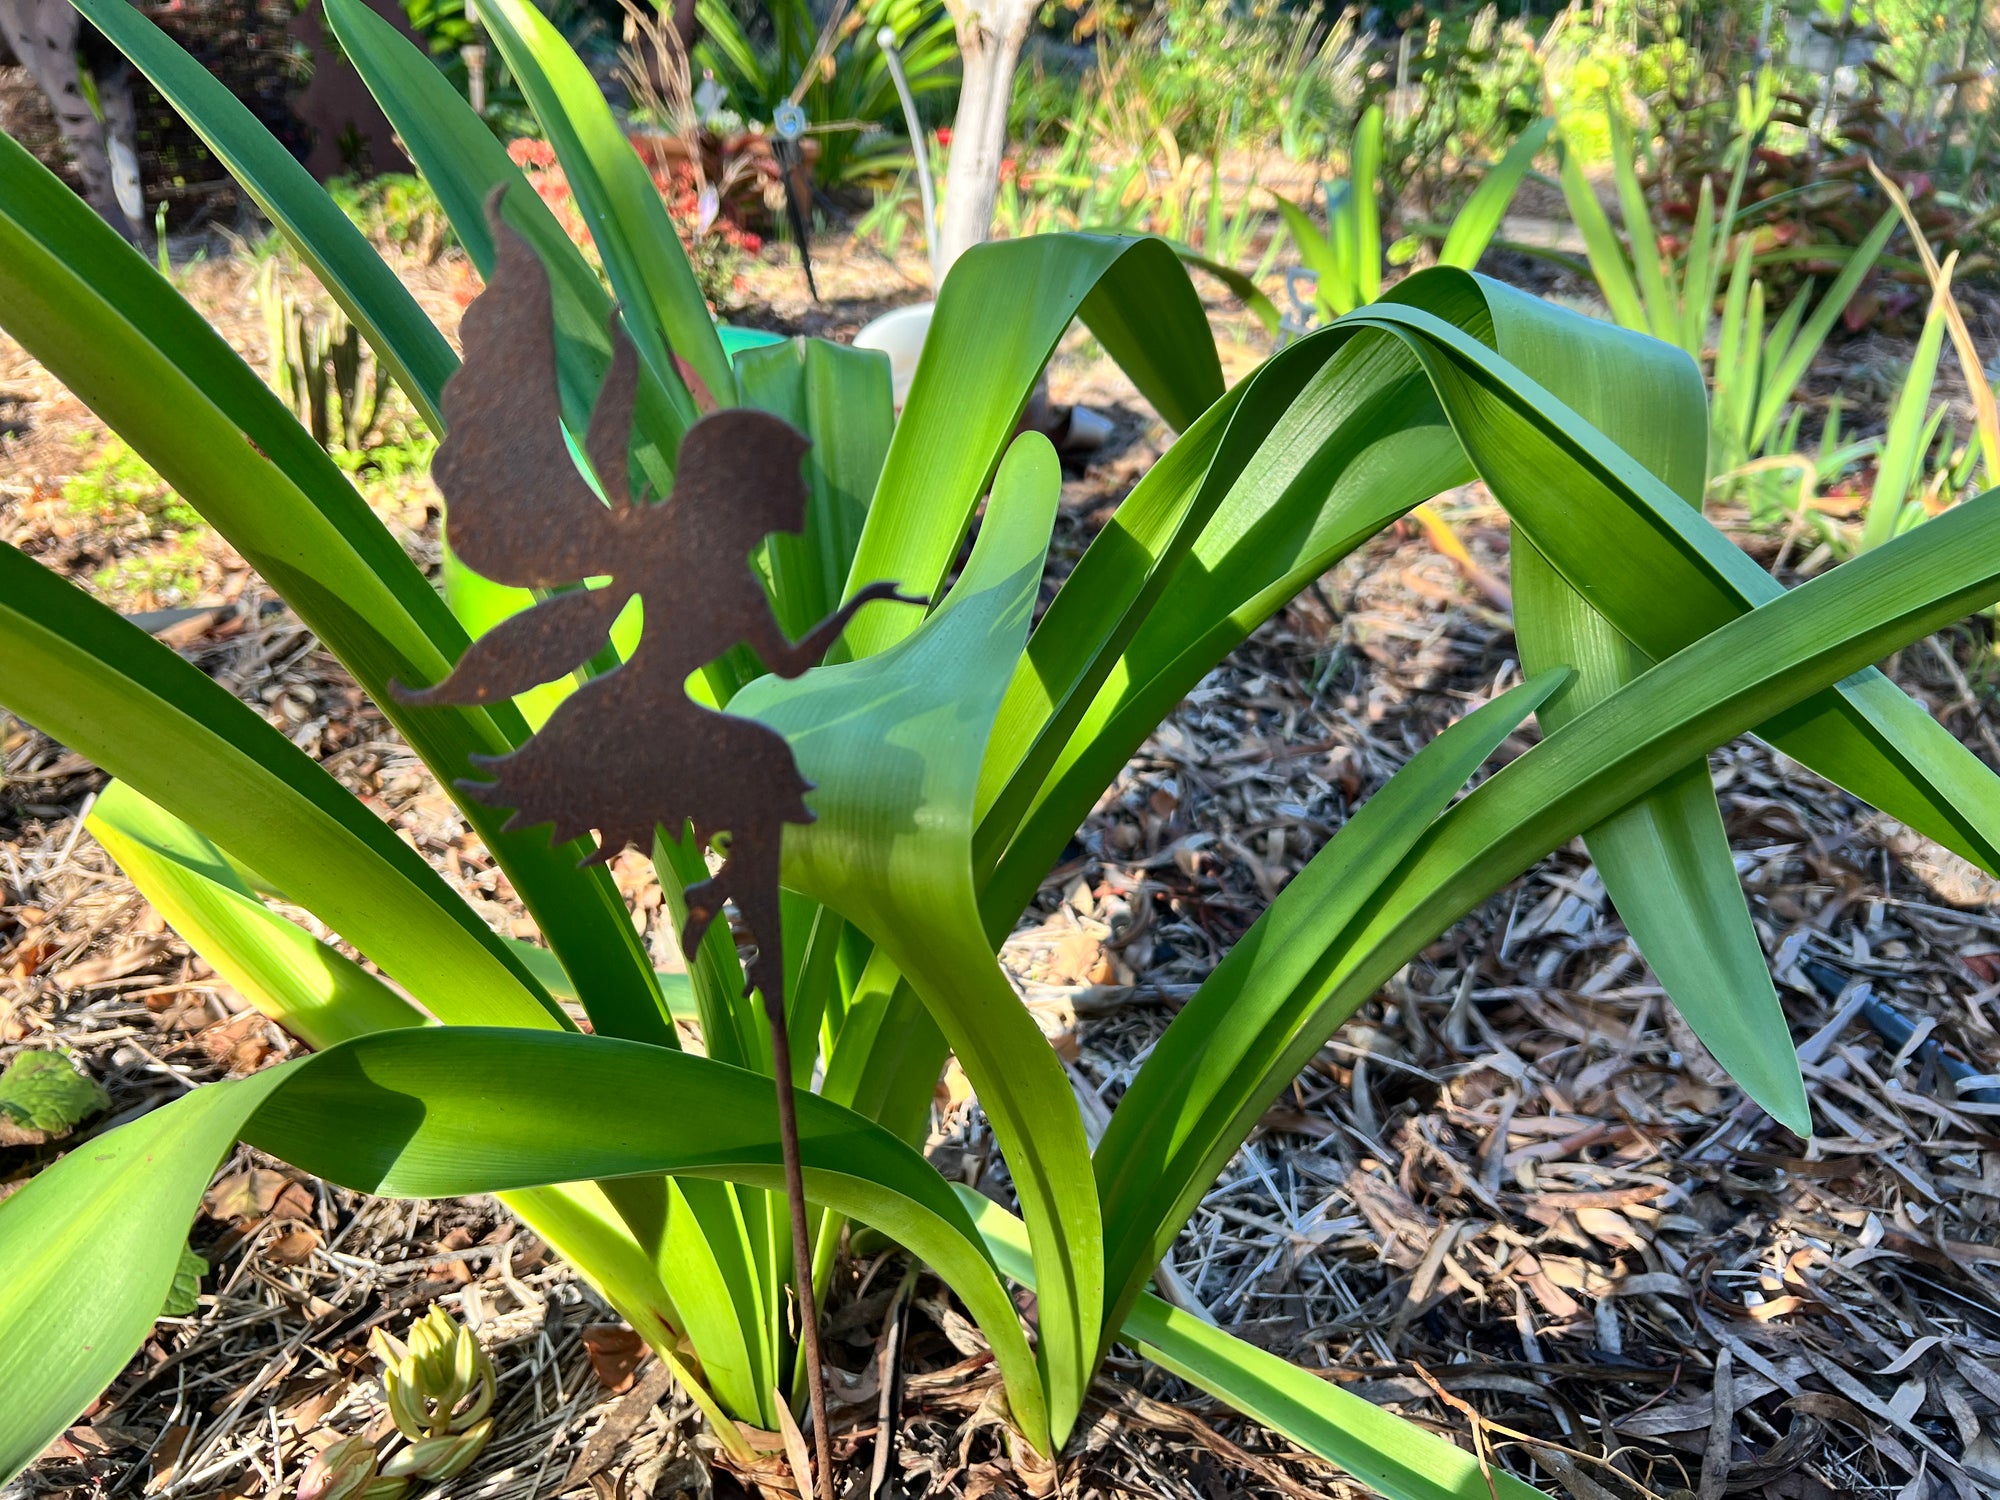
(894, 743)
(346, 264)
(463, 163)
(1201, 1089)
(1396, 1458)
(103, 322)
(1475, 225)
(130, 705)
(1665, 860)
(1607, 256)
(1364, 175)
(92, 1243)
(1649, 562)
(1592, 767)
(314, 991)
(986, 346)
(91, 1246)
(840, 398)
(1355, 444)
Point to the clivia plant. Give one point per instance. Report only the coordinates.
(953, 751)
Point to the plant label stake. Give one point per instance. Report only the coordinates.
(629, 752)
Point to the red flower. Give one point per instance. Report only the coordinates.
(944, 135)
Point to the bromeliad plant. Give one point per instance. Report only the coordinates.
(954, 753)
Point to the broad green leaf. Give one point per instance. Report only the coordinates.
(981, 358)
(117, 696)
(1361, 441)
(89, 307)
(1584, 772)
(840, 398)
(1793, 356)
(93, 1243)
(91, 1248)
(463, 163)
(314, 991)
(346, 264)
(1903, 445)
(1396, 1458)
(1662, 309)
(1647, 560)
(1317, 255)
(894, 744)
(1364, 177)
(1202, 1088)
(1665, 860)
(1314, 498)
(43, 1095)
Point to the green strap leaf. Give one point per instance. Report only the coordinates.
(1364, 176)
(114, 694)
(102, 320)
(1583, 773)
(840, 398)
(314, 991)
(1665, 859)
(1652, 565)
(463, 163)
(1204, 1085)
(1608, 262)
(982, 356)
(346, 264)
(1395, 1457)
(91, 1244)
(1480, 219)
(894, 743)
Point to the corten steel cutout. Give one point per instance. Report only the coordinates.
(629, 752)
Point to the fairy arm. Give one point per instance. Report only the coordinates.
(538, 645)
(788, 658)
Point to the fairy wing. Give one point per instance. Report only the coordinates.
(517, 509)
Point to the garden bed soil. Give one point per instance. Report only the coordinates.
(1513, 1199)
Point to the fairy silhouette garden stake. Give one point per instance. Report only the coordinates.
(629, 752)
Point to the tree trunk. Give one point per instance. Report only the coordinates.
(990, 35)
